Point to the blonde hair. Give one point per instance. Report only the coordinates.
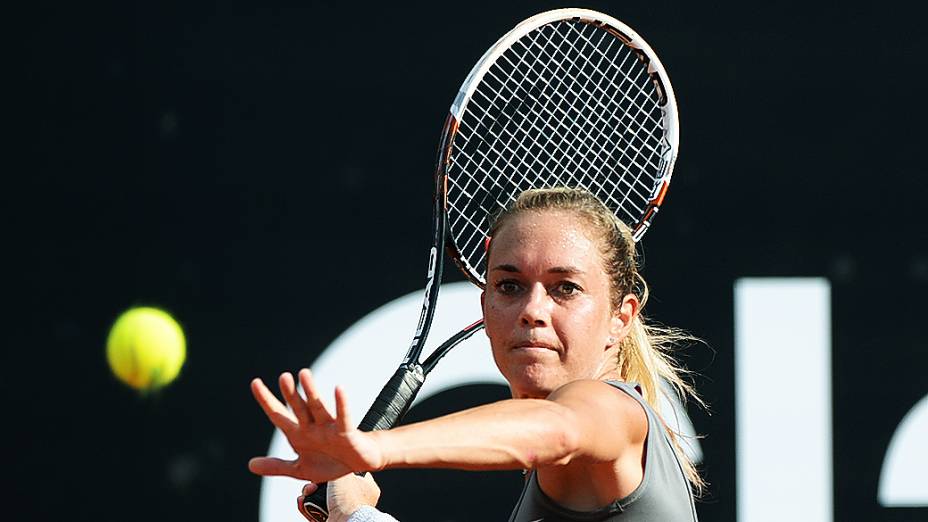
(645, 353)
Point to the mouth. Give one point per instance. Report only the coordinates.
(535, 345)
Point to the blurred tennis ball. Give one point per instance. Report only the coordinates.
(146, 348)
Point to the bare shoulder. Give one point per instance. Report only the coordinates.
(613, 410)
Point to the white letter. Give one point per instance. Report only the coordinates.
(783, 399)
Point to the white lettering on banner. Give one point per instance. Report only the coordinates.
(783, 382)
(783, 399)
(902, 479)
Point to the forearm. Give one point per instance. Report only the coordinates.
(509, 434)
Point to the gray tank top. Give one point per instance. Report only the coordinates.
(663, 495)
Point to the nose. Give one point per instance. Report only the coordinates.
(536, 311)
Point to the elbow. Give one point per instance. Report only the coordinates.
(561, 439)
(567, 443)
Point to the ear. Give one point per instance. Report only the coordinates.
(623, 317)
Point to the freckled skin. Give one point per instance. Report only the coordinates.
(549, 326)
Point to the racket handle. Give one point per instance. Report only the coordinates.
(394, 399)
(388, 408)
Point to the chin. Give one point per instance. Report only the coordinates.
(531, 382)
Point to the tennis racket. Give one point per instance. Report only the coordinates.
(569, 97)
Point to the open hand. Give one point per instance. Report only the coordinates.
(327, 446)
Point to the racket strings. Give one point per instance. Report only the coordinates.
(598, 100)
(568, 104)
(535, 127)
(588, 78)
(574, 139)
(583, 140)
(621, 89)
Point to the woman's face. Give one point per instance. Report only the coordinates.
(547, 304)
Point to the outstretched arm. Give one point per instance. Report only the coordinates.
(581, 420)
(587, 420)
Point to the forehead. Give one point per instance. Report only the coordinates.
(546, 235)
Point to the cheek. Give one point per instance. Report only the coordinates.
(583, 325)
(497, 339)
(492, 323)
(496, 317)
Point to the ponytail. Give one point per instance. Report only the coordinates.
(645, 358)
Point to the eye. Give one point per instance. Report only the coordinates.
(508, 287)
(567, 289)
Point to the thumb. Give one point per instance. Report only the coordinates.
(270, 466)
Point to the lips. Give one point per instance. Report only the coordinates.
(536, 344)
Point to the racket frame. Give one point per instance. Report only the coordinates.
(630, 39)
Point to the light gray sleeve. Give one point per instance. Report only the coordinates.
(370, 514)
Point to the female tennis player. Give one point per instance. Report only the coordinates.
(561, 306)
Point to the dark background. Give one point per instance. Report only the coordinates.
(263, 173)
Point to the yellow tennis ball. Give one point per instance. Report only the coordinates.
(146, 348)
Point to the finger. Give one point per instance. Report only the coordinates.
(272, 466)
(302, 509)
(309, 488)
(341, 410)
(317, 408)
(278, 414)
(293, 398)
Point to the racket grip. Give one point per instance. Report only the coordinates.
(394, 399)
(388, 408)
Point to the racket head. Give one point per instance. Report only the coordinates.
(569, 97)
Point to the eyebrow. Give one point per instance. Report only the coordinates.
(553, 270)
